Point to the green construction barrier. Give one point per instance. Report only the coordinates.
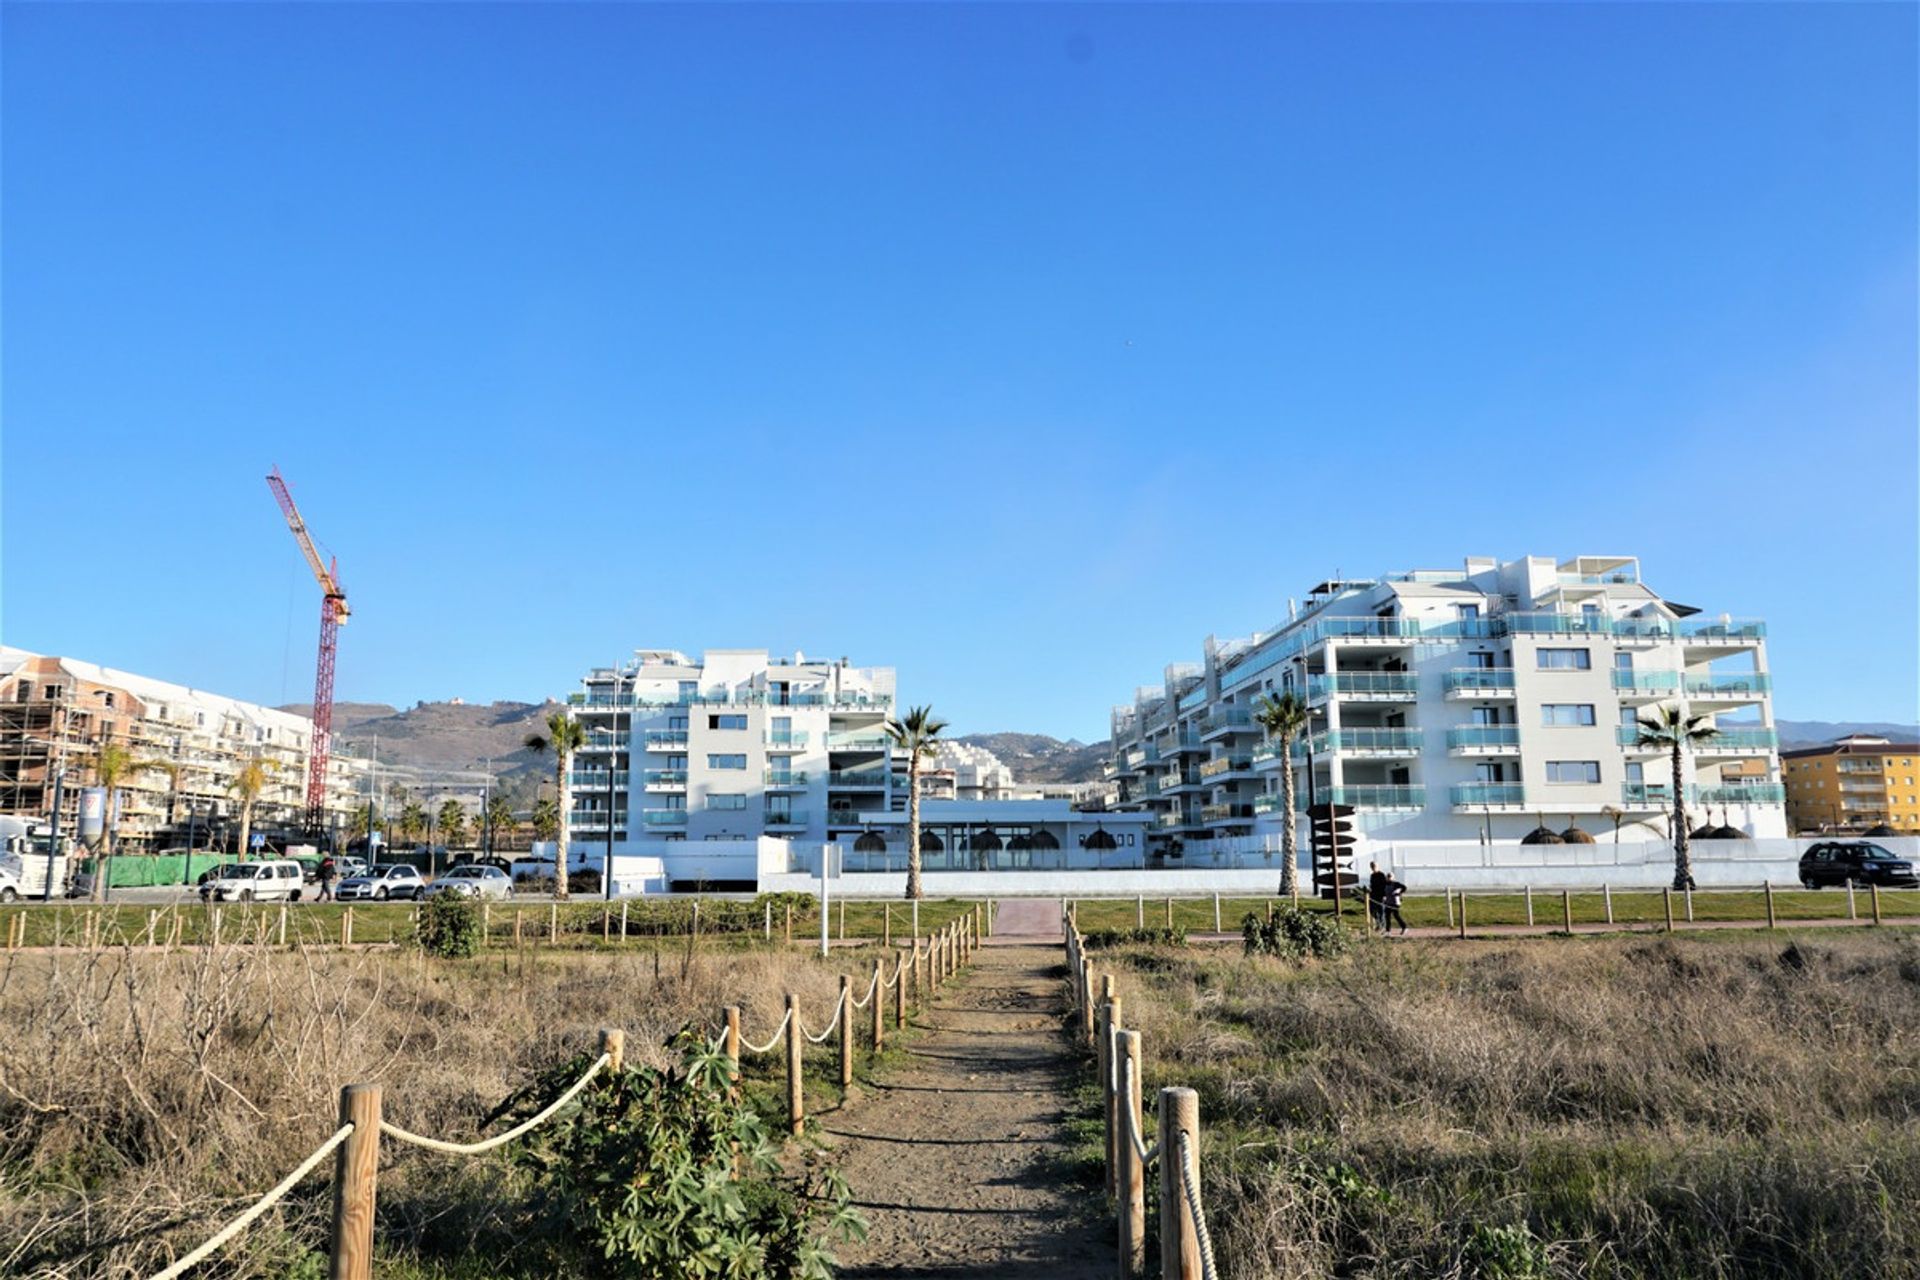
(144, 870)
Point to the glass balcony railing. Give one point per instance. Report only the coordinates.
(1490, 794)
(858, 742)
(1267, 803)
(1646, 681)
(785, 741)
(1470, 737)
(1479, 679)
(1746, 684)
(664, 817)
(1724, 740)
(1646, 793)
(596, 780)
(786, 777)
(1558, 624)
(857, 778)
(1360, 742)
(1223, 721)
(666, 777)
(1225, 812)
(1224, 765)
(1739, 793)
(1364, 684)
(787, 818)
(607, 741)
(1377, 796)
(666, 739)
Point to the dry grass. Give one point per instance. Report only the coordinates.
(145, 1096)
(1700, 1106)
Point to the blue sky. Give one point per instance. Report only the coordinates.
(1016, 347)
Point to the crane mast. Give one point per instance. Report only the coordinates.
(333, 612)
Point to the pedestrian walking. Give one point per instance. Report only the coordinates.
(326, 880)
(1376, 897)
(1390, 906)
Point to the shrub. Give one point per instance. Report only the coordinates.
(1295, 935)
(450, 926)
(1101, 938)
(666, 1171)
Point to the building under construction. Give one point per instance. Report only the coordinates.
(188, 747)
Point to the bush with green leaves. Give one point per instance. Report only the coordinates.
(1098, 939)
(450, 926)
(1295, 935)
(668, 1172)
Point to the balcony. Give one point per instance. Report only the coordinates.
(1484, 740)
(667, 740)
(1367, 629)
(1221, 768)
(593, 820)
(787, 818)
(1230, 720)
(786, 779)
(858, 742)
(1646, 795)
(597, 780)
(1699, 632)
(1489, 795)
(1144, 788)
(1725, 742)
(1185, 743)
(664, 817)
(1180, 782)
(1646, 684)
(1746, 686)
(1367, 686)
(1269, 803)
(1361, 742)
(1558, 624)
(865, 779)
(1377, 796)
(786, 742)
(1211, 813)
(1167, 821)
(1467, 683)
(606, 742)
(1739, 793)
(666, 779)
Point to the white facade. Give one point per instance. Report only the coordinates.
(961, 771)
(727, 749)
(1467, 705)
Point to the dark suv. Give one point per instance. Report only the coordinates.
(1838, 861)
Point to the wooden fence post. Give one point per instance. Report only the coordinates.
(1688, 893)
(876, 1004)
(767, 921)
(796, 1108)
(1086, 998)
(346, 927)
(1179, 1242)
(789, 925)
(1140, 911)
(696, 922)
(153, 919)
(1566, 910)
(1666, 901)
(1852, 912)
(553, 923)
(1132, 1175)
(1606, 893)
(1169, 913)
(843, 919)
(1873, 892)
(517, 915)
(613, 1043)
(356, 1168)
(1216, 912)
(623, 919)
(1529, 906)
(732, 1042)
(916, 921)
(986, 919)
(1768, 886)
(1463, 913)
(1111, 1021)
(886, 924)
(899, 993)
(283, 925)
(846, 1031)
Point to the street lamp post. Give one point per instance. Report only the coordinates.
(606, 872)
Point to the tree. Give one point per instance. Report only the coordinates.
(915, 735)
(1673, 730)
(113, 764)
(546, 819)
(498, 816)
(453, 824)
(248, 784)
(563, 737)
(413, 821)
(1284, 718)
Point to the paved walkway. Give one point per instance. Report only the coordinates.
(956, 1162)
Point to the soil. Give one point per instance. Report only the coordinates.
(957, 1162)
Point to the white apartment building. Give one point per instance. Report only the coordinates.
(1461, 705)
(729, 748)
(962, 771)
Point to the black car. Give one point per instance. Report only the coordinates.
(1861, 861)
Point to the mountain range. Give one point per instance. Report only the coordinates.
(464, 736)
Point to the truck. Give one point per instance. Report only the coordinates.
(24, 864)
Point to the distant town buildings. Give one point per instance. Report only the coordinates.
(1858, 783)
(1459, 705)
(188, 748)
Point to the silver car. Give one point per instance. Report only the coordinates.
(395, 880)
(473, 881)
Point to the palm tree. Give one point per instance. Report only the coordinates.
(453, 824)
(915, 734)
(112, 765)
(563, 737)
(248, 784)
(546, 819)
(1284, 718)
(413, 821)
(1674, 730)
(498, 816)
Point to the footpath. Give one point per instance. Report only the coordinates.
(956, 1162)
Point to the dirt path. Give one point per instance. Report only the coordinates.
(955, 1162)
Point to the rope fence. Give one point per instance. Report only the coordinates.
(1186, 1247)
(355, 1145)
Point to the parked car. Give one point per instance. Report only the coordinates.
(253, 882)
(394, 880)
(1838, 861)
(473, 881)
(9, 886)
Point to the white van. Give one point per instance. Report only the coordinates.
(254, 882)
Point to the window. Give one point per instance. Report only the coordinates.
(1466, 611)
(726, 722)
(1636, 773)
(726, 762)
(1622, 660)
(725, 800)
(1565, 659)
(1573, 771)
(1628, 720)
(1566, 713)
(1480, 660)
(676, 724)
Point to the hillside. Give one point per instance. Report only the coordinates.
(1811, 733)
(446, 736)
(1035, 757)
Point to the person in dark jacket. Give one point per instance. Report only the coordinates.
(326, 880)
(1376, 897)
(1390, 906)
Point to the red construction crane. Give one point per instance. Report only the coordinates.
(333, 612)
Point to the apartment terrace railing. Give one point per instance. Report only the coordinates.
(786, 777)
(1226, 720)
(786, 741)
(597, 779)
(1738, 793)
(732, 698)
(787, 818)
(1225, 812)
(1480, 739)
(1391, 684)
(1360, 742)
(864, 778)
(1739, 685)
(1371, 796)
(1491, 795)
(1479, 680)
(666, 739)
(1654, 682)
(1223, 765)
(858, 742)
(665, 778)
(1724, 740)
(1646, 793)
(664, 817)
